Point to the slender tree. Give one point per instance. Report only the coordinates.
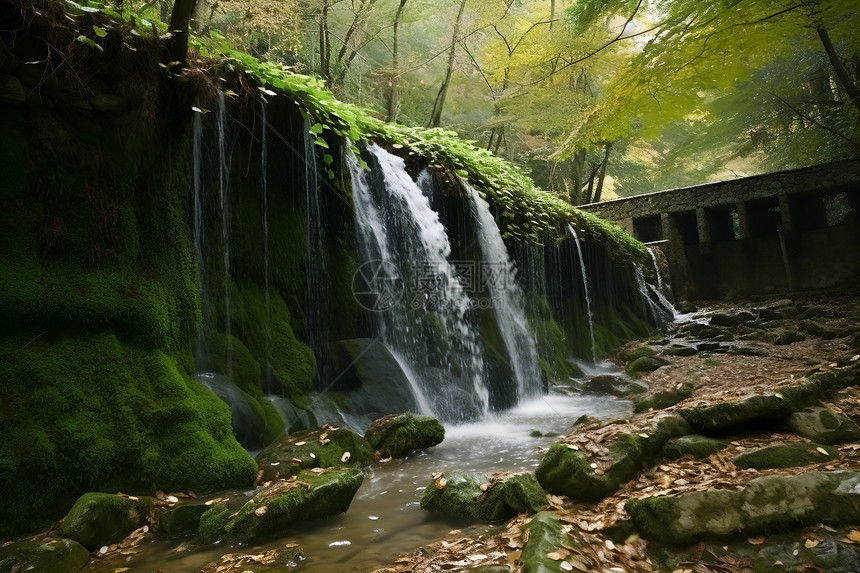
(180, 18)
(436, 114)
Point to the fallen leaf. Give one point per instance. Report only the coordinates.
(822, 451)
(261, 511)
(756, 540)
(810, 543)
(440, 482)
(558, 555)
(301, 443)
(565, 566)
(345, 457)
(854, 536)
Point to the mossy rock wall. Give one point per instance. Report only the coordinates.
(99, 297)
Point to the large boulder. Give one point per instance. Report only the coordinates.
(693, 445)
(823, 426)
(766, 504)
(568, 468)
(182, 520)
(99, 519)
(785, 456)
(398, 435)
(310, 495)
(323, 447)
(473, 495)
(53, 556)
(645, 364)
(663, 399)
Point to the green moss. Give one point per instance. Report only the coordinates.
(401, 434)
(545, 536)
(473, 495)
(317, 448)
(635, 353)
(100, 414)
(212, 523)
(661, 400)
(315, 496)
(99, 519)
(51, 556)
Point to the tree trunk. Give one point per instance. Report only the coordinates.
(325, 43)
(394, 89)
(177, 46)
(842, 74)
(436, 114)
(578, 172)
(602, 174)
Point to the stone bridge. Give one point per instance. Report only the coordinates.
(777, 232)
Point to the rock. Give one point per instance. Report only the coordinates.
(545, 537)
(398, 435)
(830, 554)
(661, 400)
(785, 456)
(613, 385)
(372, 379)
(698, 330)
(693, 445)
(568, 470)
(814, 328)
(52, 556)
(788, 336)
(635, 353)
(680, 350)
(685, 307)
(322, 447)
(823, 426)
(766, 504)
(182, 520)
(473, 495)
(730, 319)
(281, 504)
(784, 312)
(99, 519)
(645, 364)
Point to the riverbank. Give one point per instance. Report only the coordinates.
(713, 358)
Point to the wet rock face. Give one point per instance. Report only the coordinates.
(473, 495)
(54, 556)
(99, 519)
(399, 435)
(766, 504)
(693, 445)
(322, 447)
(310, 495)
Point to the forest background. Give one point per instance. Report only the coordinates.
(593, 98)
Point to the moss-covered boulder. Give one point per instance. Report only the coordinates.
(645, 364)
(182, 520)
(693, 445)
(476, 496)
(53, 556)
(766, 504)
(282, 504)
(788, 336)
(545, 539)
(637, 352)
(785, 456)
(664, 399)
(99, 519)
(569, 470)
(323, 447)
(398, 435)
(824, 426)
(613, 385)
(730, 318)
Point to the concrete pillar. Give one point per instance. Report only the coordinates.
(677, 256)
(743, 219)
(704, 226)
(785, 214)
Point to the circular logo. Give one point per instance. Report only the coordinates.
(377, 285)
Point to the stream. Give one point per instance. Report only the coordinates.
(385, 518)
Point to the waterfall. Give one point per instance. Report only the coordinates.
(661, 310)
(264, 183)
(223, 190)
(656, 268)
(507, 302)
(199, 233)
(409, 286)
(316, 295)
(587, 292)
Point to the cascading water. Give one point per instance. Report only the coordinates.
(316, 292)
(223, 189)
(661, 309)
(199, 233)
(656, 268)
(508, 302)
(264, 183)
(587, 292)
(419, 308)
